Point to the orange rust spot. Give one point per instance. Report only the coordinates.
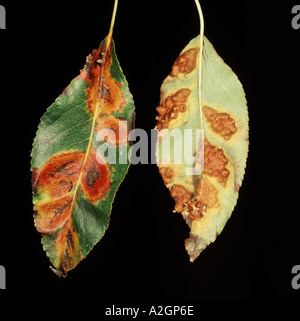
(103, 87)
(59, 174)
(55, 183)
(172, 105)
(53, 215)
(181, 196)
(215, 163)
(207, 193)
(220, 123)
(111, 95)
(117, 125)
(91, 69)
(185, 63)
(167, 174)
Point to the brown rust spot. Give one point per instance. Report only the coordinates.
(67, 250)
(91, 176)
(170, 108)
(215, 163)
(104, 90)
(66, 169)
(67, 260)
(196, 209)
(181, 196)
(95, 180)
(66, 185)
(220, 123)
(58, 209)
(166, 174)
(185, 63)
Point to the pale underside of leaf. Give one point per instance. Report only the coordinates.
(206, 201)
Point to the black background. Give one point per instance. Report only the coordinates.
(141, 258)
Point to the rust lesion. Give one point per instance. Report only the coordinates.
(171, 107)
(52, 215)
(58, 209)
(66, 185)
(196, 210)
(207, 193)
(95, 180)
(166, 174)
(207, 197)
(64, 170)
(181, 196)
(185, 63)
(68, 253)
(59, 174)
(67, 261)
(220, 123)
(104, 90)
(91, 69)
(92, 176)
(102, 58)
(215, 163)
(118, 125)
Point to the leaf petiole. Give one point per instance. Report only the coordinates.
(112, 22)
(200, 57)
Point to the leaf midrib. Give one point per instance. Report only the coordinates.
(96, 109)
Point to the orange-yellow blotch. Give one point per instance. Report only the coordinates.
(104, 91)
(185, 63)
(66, 246)
(207, 197)
(55, 183)
(181, 196)
(207, 193)
(215, 163)
(220, 123)
(59, 174)
(170, 108)
(117, 125)
(111, 99)
(53, 214)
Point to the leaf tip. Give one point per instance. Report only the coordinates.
(58, 272)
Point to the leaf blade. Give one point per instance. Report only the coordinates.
(206, 201)
(72, 191)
